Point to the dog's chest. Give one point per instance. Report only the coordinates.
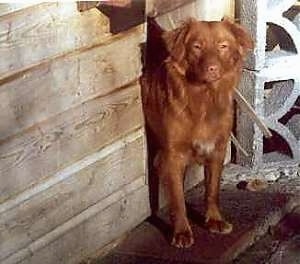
(203, 147)
(210, 122)
(205, 137)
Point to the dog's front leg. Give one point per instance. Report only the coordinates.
(171, 169)
(214, 220)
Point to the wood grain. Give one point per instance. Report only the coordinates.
(46, 210)
(7, 8)
(50, 29)
(76, 239)
(66, 82)
(202, 10)
(175, 17)
(160, 7)
(86, 5)
(59, 141)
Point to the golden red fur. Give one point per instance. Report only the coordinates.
(188, 107)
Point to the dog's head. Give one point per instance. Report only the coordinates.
(206, 51)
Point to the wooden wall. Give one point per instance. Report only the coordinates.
(180, 10)
(72, 145)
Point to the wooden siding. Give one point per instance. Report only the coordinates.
(47, 30)
(50, 146)
(72, 144)
(110, 170)
(64, 83)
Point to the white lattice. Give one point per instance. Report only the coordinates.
(271, 80)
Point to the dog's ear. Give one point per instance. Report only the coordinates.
(242, 36)
(175, 40)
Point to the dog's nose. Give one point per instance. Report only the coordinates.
(213, 69)
(212, 72)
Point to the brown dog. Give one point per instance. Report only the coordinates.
(189, 109)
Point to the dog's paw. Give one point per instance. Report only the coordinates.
(218, 226)
(183, 239)
(183, 235)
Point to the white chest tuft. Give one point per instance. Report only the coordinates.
(203, 147)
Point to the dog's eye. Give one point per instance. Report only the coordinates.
(197, 46)
(223, 45)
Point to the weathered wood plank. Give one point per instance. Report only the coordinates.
(92, 229)
(160, 7)
(177, 16)
(7, 8)
(66, 82)
(202, 10)
(59, 141)
(86, 5)
(51, 208)
(46, 30)
(215, 10)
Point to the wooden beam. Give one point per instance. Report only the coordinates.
(9, 8)
(242, 102)
(160, 7)
(238, 146)
(90, 230)
(52, 29)
(50, 146)
(63, 83)
(106, 172)
(86, 5)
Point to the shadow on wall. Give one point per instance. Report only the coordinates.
(123, 18)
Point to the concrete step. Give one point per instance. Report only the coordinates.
(280, 246)
(252, 214)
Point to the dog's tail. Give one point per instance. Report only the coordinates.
(155, 50)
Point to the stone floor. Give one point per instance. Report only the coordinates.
(260, 234)
(281, 245)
